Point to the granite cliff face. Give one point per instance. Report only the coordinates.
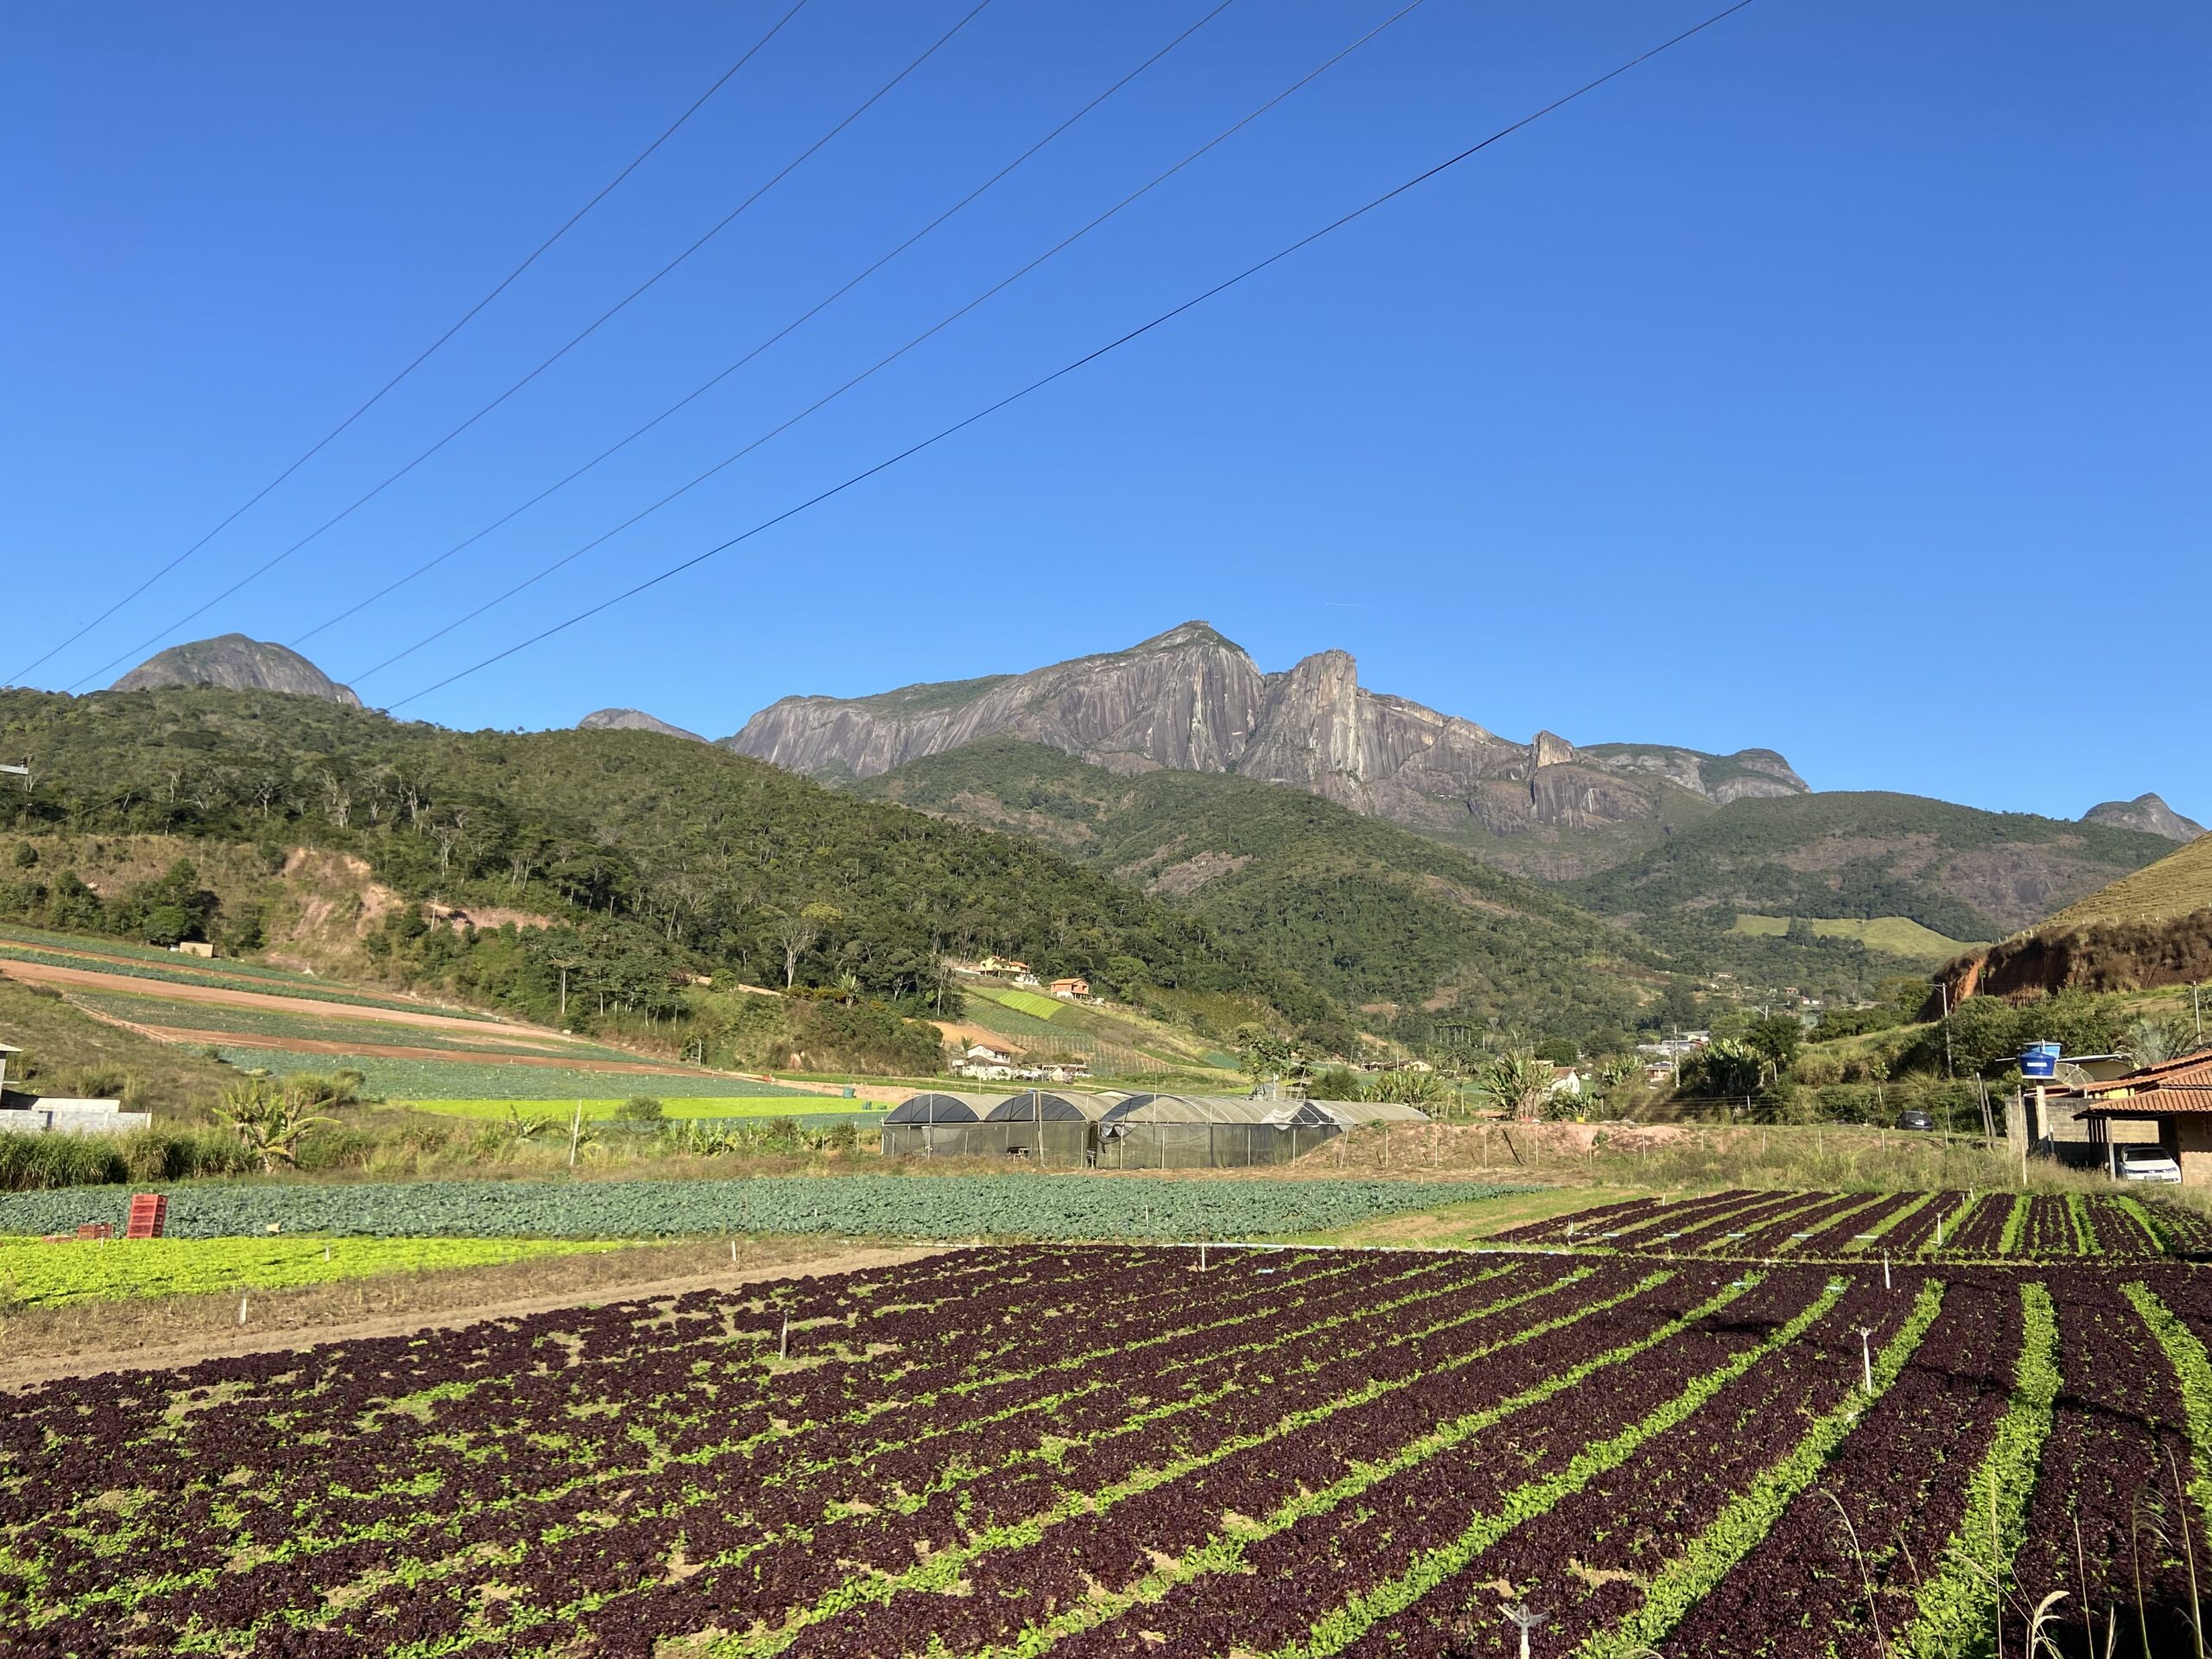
(237, 664)
(632, 719)
(2145, 812)
(1192, 701)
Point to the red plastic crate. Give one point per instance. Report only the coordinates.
(150, 1213)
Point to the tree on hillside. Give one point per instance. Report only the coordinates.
(1264, 1055)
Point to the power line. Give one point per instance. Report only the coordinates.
(425, 355)
(885, 362)
(803, 318)
(1088, 358)
(593, 328)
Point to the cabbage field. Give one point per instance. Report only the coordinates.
(900, 1206)
(1010, 1452)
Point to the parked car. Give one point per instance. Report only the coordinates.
(2145, 1163)
(1915, 1119)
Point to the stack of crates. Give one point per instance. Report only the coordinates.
(150, 1214)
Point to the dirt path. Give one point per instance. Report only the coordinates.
(828, 1257)
(40, 973)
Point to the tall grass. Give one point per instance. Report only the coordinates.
(33, 1161)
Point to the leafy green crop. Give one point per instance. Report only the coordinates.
(967, 1206)
(37, 1275)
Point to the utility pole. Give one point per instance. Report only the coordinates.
(1943, 986)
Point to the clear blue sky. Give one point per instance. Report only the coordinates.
(1835, 383)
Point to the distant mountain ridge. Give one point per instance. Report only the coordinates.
(1190, 700)
(632, 719)
(237, 664)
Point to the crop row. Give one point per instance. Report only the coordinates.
(727, 1496)
(1826, 1225)
(224, 979)
(310, 1024)
(35, 1275)
(1070, 1205)
(1288, 1454)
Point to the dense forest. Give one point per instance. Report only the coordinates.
(656, 858)
(1411, 932)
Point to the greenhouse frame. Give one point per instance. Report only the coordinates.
(1051, 1126)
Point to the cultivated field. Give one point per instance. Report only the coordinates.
(1108, 1450)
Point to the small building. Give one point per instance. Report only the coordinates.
(22, 1114)
(984, 1060)
(1566, 1080)
(2174, 1099)
(1073, 988)
(199, 948)
(1008, 966)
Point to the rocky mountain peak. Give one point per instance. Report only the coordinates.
(1191, 700)
(2144, 812)
(237, 664)
(632, 719)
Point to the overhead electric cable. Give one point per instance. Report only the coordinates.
(885, 362)
(593, 328)
(425, 355)
(1138, 332)
(804, 317)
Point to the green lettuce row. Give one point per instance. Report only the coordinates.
(1954, 1605)
(1748, 1519)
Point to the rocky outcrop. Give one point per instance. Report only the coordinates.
(1193, 701)
(237, 664)
(632, 719)
(2147, 813)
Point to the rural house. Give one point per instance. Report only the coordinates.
(1071, 990)
(2176, 1097)
(985, 1060)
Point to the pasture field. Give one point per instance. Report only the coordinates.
(34, 1274)
(1898, 936)
(1287, 1453)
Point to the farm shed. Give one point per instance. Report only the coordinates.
(1221, 1132)
(1050, 1125)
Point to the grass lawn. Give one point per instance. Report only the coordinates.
(700, 1106)
(34, 1274)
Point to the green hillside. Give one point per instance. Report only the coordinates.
(1957, 871)
(654, 856)
(1410, 930)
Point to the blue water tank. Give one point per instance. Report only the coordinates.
(2039, 1060)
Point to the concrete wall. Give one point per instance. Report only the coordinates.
(2193, 1145)
(55, 1116)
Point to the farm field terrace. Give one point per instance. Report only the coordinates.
(1108, 1450)
(805, 1108)
(36, 1274)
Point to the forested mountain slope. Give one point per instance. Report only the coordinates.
(1402, 926)
(654, 853)
(1966, 874)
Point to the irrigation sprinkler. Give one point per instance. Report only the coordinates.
(1885, 1270)
(1866, 1354)
(784, 1344)
(241, 1310)
(1526, 1620)
(1202, 1258)
(733, 1252)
